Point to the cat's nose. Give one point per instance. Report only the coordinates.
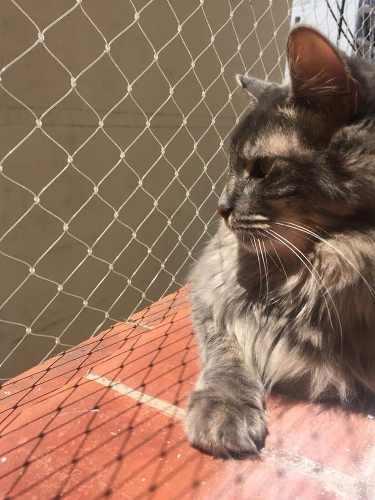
(224, 209)
(225, 205)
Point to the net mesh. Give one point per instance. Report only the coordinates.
(116, 117)
(115, 124)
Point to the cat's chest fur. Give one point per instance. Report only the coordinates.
(312, 324)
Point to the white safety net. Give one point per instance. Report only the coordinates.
(115, 122)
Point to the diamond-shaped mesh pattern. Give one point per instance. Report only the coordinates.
(365, 35)
(348, 23)
(116, 117)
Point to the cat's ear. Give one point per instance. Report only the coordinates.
(320, 76)
(254, 87)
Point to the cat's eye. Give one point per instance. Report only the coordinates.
(260, 167)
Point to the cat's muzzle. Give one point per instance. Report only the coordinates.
(248, 222)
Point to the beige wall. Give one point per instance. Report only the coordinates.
(38, 81)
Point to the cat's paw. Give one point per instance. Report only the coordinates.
(224, 428)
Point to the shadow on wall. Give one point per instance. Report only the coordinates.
(114, 124)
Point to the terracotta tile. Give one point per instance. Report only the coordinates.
(165, 309)
(330, 436)
(63, 434)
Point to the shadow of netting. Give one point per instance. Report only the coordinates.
(76, 434)
(64, 434)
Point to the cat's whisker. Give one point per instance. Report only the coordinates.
(305, 230)
(304, 260)
(274, 297)
(318, 279)
(280, 266)
(268, 272)
(279, 259)
(265, 267)
(258, 337)
(254, 240)
(287, 244)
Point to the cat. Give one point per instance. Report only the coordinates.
(283, 295)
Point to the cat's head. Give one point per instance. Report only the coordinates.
(303, 153)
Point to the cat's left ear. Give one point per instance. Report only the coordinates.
(254, 87)
(320, 75)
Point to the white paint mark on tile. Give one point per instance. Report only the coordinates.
(332, 481)
(158, 404)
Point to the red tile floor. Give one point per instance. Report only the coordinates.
(105, 419)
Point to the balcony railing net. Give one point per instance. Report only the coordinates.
(115, 118)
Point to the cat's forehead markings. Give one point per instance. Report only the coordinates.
(273, 143)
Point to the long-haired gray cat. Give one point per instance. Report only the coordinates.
(282, 296)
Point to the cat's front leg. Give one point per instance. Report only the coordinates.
(226, 412)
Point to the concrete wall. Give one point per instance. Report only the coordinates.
(35, 160)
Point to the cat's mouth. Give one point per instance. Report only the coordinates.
(249, 228)
(254, 222)
(253, 230)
